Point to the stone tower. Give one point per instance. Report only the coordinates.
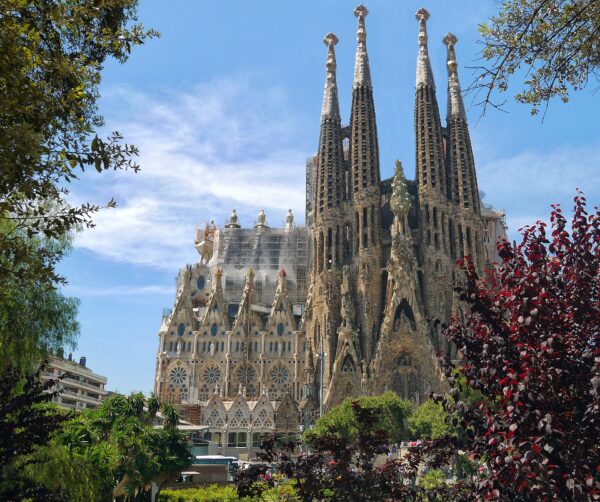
(462, 178)
(366, 194)
(434, 212)
(328, 224)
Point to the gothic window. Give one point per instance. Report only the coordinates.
(214, 329)
(246, 374)
(413, 386)
(348, 366)
(201, 282)
(280, 375)
(280, 329)
(178, 375)
(212, 375)
(181, 329)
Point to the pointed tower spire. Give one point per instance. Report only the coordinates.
(461, 163)
(331, 106)
(424, 73)
(330, 170)
(365, 189)
(456, 107)
(431, 172)
(362, 72)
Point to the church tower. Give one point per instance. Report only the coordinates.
(365, 194)
(433, 208)
(462, 177)
(328, 224)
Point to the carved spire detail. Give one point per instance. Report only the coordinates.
(331, 107)
(456, 107)
(424, 73)
(362, 71)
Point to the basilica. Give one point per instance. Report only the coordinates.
(274, 325)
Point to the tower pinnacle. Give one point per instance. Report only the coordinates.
(331, 107)
(424, 72)
(362, 72)
(456, 106)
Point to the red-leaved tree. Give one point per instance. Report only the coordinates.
(530, 344)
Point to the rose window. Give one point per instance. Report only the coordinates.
(279, 375)
(212, 375)
(178, 375)
(246, 374)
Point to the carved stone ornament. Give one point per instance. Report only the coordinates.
(400, 201)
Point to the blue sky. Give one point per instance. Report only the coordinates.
(225, 110)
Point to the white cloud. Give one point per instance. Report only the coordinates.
(203, 151)
(81, 291)
(525, 185)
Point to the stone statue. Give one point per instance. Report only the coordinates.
(212, 348)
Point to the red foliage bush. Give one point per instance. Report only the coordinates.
(530, 346)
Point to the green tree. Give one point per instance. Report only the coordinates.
(51, 57)
(35, 318)
(555, 44)
(115, 451)
(428, 421)
(390, 410)
(27, 420)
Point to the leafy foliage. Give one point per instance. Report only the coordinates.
(226, 493)
(530, 346)
(34, 317)
(51, 56)
(116, 449)
(390, 412)
(428, 421)
(26, 421)
(343, 467)
(555, 42)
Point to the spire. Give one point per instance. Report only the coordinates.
(362, 72)
(424, 73)
(331, 106)
(364, 149)
(329, 179)
(462, 176)
(456, 107)
(431, 171)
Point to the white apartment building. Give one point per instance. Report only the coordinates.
(81, 387)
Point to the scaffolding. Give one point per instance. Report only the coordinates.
(266, 250)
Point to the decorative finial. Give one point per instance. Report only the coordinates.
(456, 107)
(282, 273)
(331, 107)
(361, 12)
(424, 73)
(250, 276)
(218, 273)
(422, 14)
(261, 219)
(450, 41)
(233, 220)
(330, 39)
(362, 72)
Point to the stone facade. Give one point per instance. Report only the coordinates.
(352, 303)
